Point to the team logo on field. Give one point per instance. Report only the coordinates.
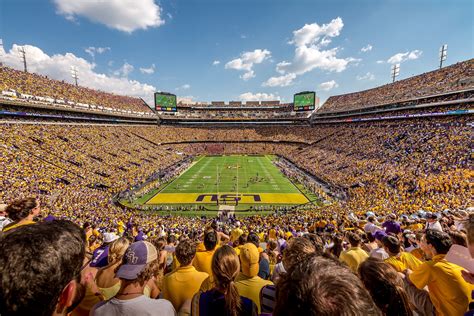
(227, 197)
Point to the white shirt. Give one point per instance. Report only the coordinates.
(379, 253)
(371, 228)
(142, 305)
(4, 221)
(435, 226)
(279, 269)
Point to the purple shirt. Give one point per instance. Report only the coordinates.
(100, 257)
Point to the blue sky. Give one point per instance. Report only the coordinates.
(230, 50)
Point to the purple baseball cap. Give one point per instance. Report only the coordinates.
(379, 234)
(137, 256)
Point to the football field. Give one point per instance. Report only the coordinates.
(237, 180)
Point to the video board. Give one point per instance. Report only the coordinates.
(304, 101)
(165, 102)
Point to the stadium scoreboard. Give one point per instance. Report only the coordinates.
(165, 102)
(304, 101)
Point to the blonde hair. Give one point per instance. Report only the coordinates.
(117, 250)
(225, 268)
(470, 228)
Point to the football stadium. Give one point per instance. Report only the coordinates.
(246, 158)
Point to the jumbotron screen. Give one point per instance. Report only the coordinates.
(304, 101)
(165, 102)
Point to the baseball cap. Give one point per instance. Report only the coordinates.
(429, 215)
(249, 257)
(379, 234)
(109, 237)
(137, 256)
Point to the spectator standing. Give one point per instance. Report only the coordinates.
(248, 282)
(203, 260)
(22, 212)
(322, 286)
(448, 291)
(432, 222)
(386, 287)
(185, 281)
(4, 220)
(224, 298)
(100, 255)
(40, 268)
(108, 284)
(398, 259)
(391, 225)
(138, 266)
(355, 255)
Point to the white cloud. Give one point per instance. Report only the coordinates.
(248, 75)
(368, 76)
(123, 15)
(326, 86)
(380, 61)
(309, 34)
(310, 53)
(124, 71)
(247, 60)
(281, 81)
(91, 50)
(184, 87)
(366, 48)
(58, 67)
(216, 62)
(150, 70)
(243, 36)
(401, 57)
(249, 96)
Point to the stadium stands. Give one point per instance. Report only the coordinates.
(453, 78)
(406, 194)
(32, 88)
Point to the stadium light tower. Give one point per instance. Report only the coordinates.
(23, 56)
(443, 54)
(395, 71)
(1, 52)
(74, 74)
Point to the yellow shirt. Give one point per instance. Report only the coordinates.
(449, 293)
(403, 261)
(109, 292)
(235, 234)
(250, 287)
(182, 284)
(120, 227)
(200, 247)
(272, 234)
(353, 257)
(418, 253)
(203, 261)
(19, 224)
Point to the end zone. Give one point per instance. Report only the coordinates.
(244, 198)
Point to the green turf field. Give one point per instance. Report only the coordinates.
(221, 180)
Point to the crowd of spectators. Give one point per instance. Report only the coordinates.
(393, 246)
(31, 87)
(452, 78)
(281, 265)
(401, 167)
(243, 113)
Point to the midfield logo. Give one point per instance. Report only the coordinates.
(227, 197)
